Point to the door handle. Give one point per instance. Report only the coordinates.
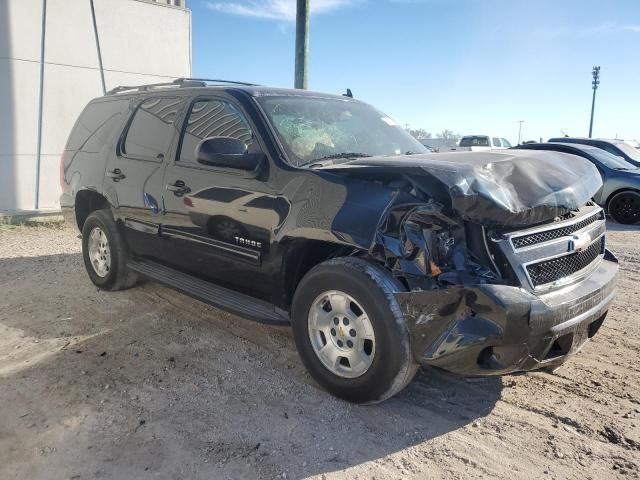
(178, 188)
(116, 175)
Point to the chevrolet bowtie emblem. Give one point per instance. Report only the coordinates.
(580, 242)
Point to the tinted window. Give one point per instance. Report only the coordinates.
(151, 130)
(496, 142)
(475, 141)
(213, 118)
(226, 195)
(97, 125)
(264, 203)
(629, 151)
(612, 161)
(506, 143)
(609, 149)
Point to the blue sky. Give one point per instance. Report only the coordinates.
(472, 66)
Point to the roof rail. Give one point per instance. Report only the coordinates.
(177, 83)
(211, 80)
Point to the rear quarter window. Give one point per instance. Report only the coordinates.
(152, 128)
(97, 126)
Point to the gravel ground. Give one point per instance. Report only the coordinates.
(148, 383)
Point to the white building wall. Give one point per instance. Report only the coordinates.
(141, 42)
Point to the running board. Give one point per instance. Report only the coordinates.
(220, 297)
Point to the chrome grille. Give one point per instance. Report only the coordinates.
(549, 256)
(549, 271)
(547, 235)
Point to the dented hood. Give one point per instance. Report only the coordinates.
(500, 188)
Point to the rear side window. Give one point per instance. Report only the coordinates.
(97, 126)
(610, 149)
(213, 118)
(151, 130)
(475, 141)
(496, 142)
(264, 203)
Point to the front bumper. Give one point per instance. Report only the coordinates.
(500, 329)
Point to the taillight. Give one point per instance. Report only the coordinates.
(62, 182)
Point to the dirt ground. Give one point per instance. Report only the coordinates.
(148, 383)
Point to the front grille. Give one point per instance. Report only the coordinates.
(555, 269)
(547, 235)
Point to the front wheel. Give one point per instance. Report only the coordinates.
(350, 332)
(624, 207)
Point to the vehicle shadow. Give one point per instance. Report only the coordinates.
(148, 382)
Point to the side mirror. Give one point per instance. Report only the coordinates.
(227, 152)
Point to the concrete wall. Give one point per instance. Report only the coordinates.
(141, 41)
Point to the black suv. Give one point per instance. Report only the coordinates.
(315, 210)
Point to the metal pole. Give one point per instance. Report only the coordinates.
(40, 103)
(520, 131)
(302, 43)
(593, 106)
(95, 31)
(594, 84)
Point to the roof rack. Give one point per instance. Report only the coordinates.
(177, 83)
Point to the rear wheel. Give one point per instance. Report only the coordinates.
(104, 252)
(624, 207)
(350, 332)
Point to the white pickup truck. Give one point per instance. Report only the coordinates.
(481, 142)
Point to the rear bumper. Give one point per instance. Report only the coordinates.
(499, 329)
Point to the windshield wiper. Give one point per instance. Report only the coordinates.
(320, 162)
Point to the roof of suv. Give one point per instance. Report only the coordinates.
(584, 140)
(550, 146)
(189, 84)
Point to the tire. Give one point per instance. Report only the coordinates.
(624, 207)
(391, 365)
(111, 273)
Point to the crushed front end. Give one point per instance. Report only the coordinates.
(497, 301)
(501, 255)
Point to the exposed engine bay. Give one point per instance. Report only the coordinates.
(436, 231)
(425, 249)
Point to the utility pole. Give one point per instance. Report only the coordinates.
(95, 32)
(302, 43)
(594, 85)
(43, 37)
(520, 131)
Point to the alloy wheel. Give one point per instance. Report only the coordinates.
(341, 334)
(99, 252)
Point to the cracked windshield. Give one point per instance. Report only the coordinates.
(318, 129)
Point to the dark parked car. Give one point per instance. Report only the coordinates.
(619, 148)
(620, 193)
(319, 211)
